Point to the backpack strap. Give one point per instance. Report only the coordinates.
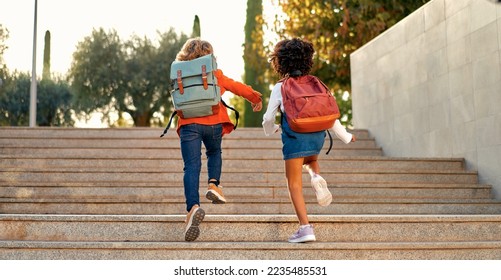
(330, 144)
(204, 77)
(180, 81)
(323, 84)
(168, 125)
(237, 114)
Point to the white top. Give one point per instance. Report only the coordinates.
(275, 102)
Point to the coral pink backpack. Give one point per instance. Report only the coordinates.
(309, 105)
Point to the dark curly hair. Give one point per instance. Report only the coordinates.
(292, 57)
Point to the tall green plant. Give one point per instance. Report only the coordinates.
(197, 32)
(256, 64)
(46, 57)
(4, 35)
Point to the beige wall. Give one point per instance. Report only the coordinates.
(430, 86)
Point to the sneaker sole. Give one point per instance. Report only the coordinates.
(306, 238)
(324, 196)
(215, 197)
(193, 230)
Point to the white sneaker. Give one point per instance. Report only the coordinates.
(324, 196)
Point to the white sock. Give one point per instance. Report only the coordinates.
(304, 226)
(310, 171)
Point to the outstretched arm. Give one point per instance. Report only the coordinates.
(240, 89)
(341, 133)
(269, 125)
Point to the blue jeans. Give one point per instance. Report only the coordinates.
(192, 136)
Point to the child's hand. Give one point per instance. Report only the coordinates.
(256, 107)
(353, 138)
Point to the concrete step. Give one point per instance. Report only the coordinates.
(36, 250)
(147, 191)
(128, 133)
(230, 165)
(70, 193)
(248, 206)
(257, 143)
(250, 237)
(162, 153)
(251, 228)
(234, 178)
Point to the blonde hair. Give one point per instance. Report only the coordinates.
(194, 48)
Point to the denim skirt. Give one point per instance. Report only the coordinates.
(298, 145)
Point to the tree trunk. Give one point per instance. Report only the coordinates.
(253, 59)
(142, 119)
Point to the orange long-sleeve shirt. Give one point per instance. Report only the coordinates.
(222, 117)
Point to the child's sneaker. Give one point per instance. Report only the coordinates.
(324, 196)
(304, 234)
(215, 194)
(193, 220)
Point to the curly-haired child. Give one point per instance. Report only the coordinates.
(293, 58)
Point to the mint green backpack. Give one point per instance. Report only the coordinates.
(196, 92)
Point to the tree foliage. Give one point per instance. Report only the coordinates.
(4, 35)
(336, 29)
(53, 101)
(113, 76)
(53, 97)
(15, 100)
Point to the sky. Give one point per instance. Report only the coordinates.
(70, 21)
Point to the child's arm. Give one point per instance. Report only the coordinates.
(240, 89)
(341, 133)
(269, 124)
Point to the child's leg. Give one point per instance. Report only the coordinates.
(293, 172)
(324, 196)
(212, 140)
(311, 165)
(190, 150)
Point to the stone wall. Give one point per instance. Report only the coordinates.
(430, 86)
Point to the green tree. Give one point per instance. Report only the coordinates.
(131, 77)
(336, 29)
(96, 73)
(256, 64)
(15, 100)
(46, 57)
(53, 101)
(4, 35)
(53, 97)
(196, 28)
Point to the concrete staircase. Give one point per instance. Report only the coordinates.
(117, 194)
